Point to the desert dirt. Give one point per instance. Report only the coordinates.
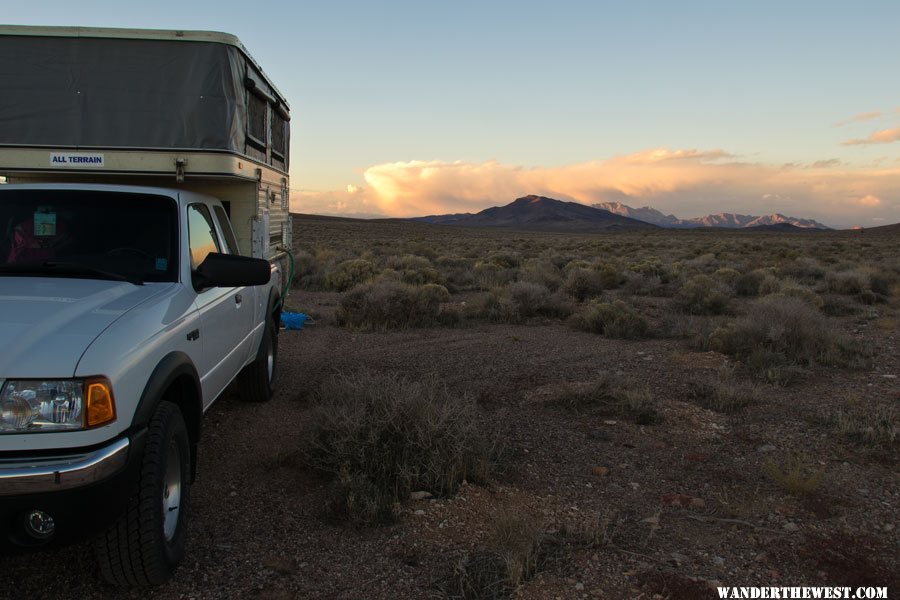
(686, 502)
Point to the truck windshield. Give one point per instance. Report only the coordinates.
(88, 234)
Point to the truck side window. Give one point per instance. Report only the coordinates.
(201, 234)
(227, 231)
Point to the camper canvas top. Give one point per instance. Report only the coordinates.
(106, 99)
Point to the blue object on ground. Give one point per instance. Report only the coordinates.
(293, 320)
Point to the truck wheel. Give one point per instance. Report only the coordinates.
(147, 542)
(257, 380)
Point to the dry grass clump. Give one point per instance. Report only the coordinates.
(522, 300)
(612, 319)
(517, 548)
(382, 437)
(870, 425)
(702, 295)
(387, 304)
(781, 334)
(795, 476)
(724, 393)
(611, 396)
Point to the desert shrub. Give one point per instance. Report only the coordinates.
(415, 270)
(851, 282)
(804, 269)
(637, 284)
(724, 393)
(748, 283)
(388, 304)
(583, 283)
(780, 334)
(796, 290)
(702, 295)
(876, 425)
(457, 272)
(769, 285)
(307, 272)
(727, 275)
(522, 300)
(611, 396)
(610, 275)
(652, 267)
(542, 272)
(795, 476)
(490, 275)
(615, 320)
(382, 437)
(505, 259)
(349, 273)
(704, 262)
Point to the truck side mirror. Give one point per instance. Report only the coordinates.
(230, 270)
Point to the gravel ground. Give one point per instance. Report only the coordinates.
(688, 496)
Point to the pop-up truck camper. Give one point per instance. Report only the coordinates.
(144, 261)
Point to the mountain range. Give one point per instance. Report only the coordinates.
(729, 220)
(541, 213)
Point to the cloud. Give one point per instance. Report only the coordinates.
(866, 116)
(684, 182)
(884, 136)
(870, 200)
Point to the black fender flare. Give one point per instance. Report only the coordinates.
(173, 366)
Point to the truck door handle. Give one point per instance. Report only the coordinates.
(238, 299)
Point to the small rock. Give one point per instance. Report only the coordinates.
(610, 422)
(419, 512)
(889, 526)
(766, 448)
(232, 493)
(790, 526)
(679, 558)
(698, 503)
(579, 586)
(634, 485)
(600, 471)
(420, 495)
(886, 376)
(718, 561)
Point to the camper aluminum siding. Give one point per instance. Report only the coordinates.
(174, 107)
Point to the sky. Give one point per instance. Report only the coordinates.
(411, 108)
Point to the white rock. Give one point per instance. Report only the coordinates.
(420, 495)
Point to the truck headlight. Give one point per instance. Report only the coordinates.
(33, 405)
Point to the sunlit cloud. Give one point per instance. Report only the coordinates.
(884, 136)
(687, 183)
(866, 116)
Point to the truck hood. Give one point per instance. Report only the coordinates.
(47, 323)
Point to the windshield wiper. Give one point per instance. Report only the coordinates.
(55, 267)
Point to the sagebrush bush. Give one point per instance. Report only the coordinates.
(388, 304)
(795, 475)
(616, 320)
(702, 295)
(382, 437)
(781, 333)
(522, 300)
(490, 275)
(583, 282)
(851, 282)
(349, 273)
(543, 272)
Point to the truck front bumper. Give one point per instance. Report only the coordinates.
(79, 491)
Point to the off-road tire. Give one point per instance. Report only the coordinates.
(134, 551)
(256, 382)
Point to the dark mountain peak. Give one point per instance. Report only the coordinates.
(540, 212)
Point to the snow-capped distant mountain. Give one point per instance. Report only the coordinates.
(729, 220)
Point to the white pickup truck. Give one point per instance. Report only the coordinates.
(142, 271)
